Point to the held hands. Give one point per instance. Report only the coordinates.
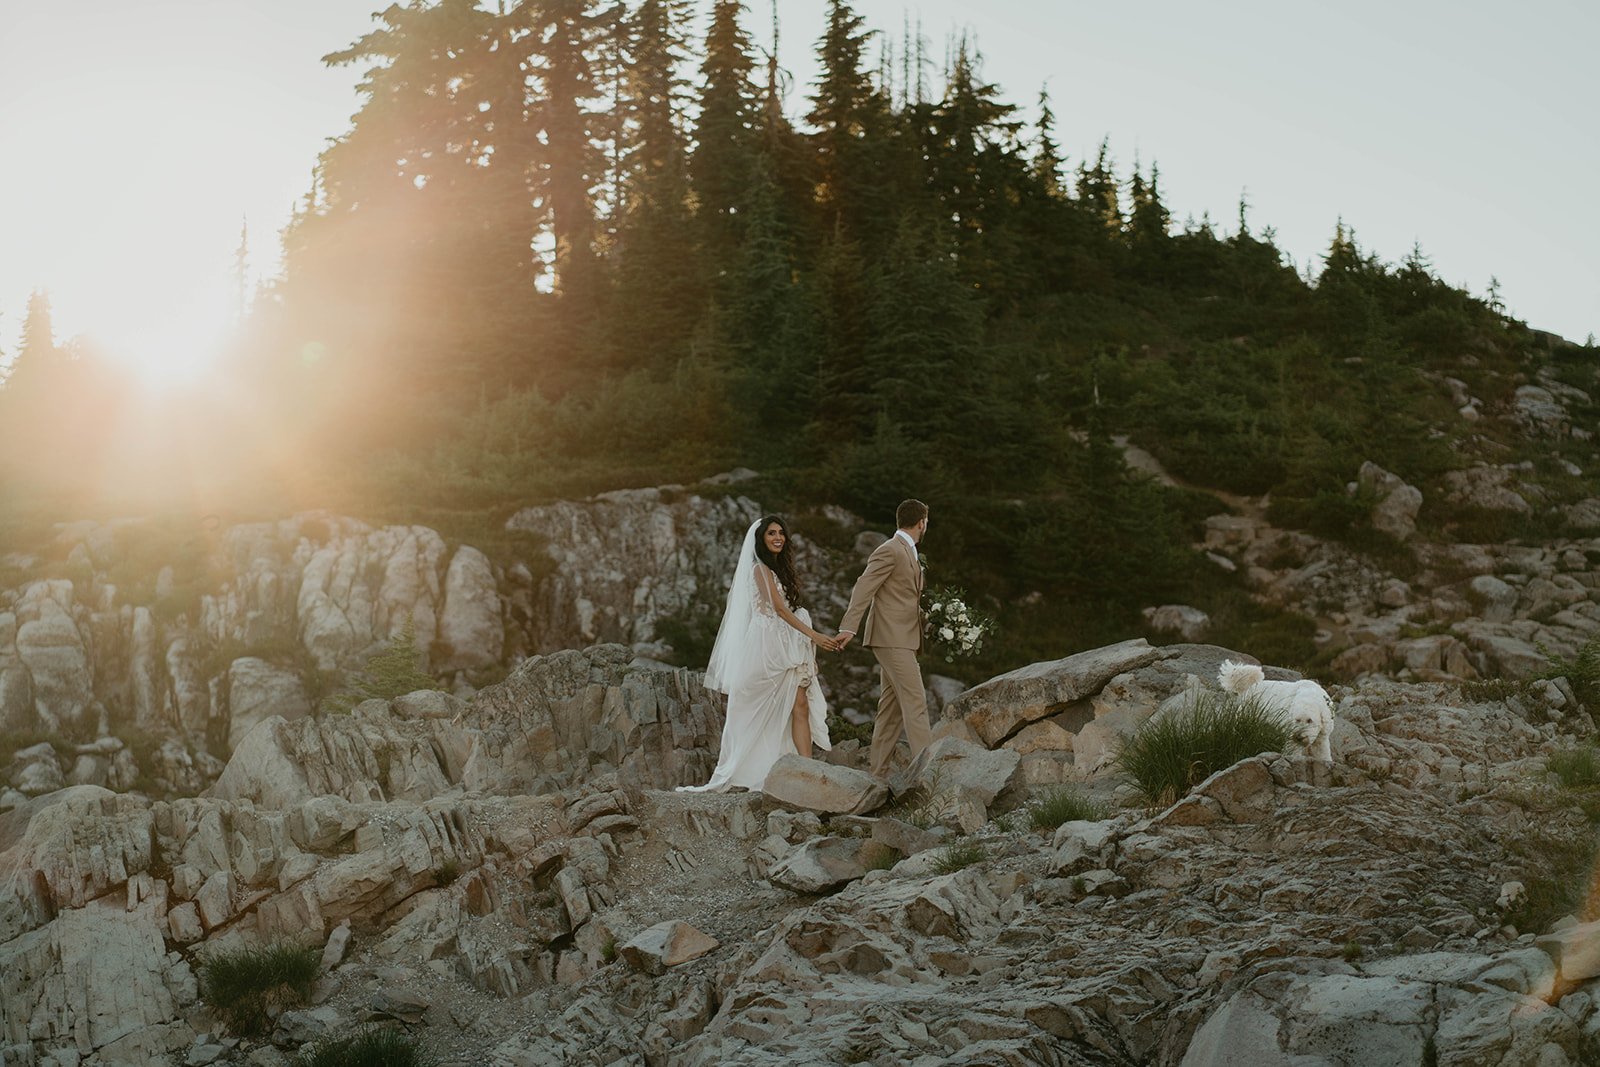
(835, 643)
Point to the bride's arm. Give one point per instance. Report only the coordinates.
(767, 584)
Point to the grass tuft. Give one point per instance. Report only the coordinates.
(959, 855)
(246, 987)
(1168, 756)
(1577, 768)
(1065, 805)
(882, 859)
(373, 1047)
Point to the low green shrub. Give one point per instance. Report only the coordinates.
(691, 635)
(842, 729)
(1492, 690)
(373, 1047)
(1582, 670)
(392, 671)
(244, 985)
(1065, 805)
(1168, 756)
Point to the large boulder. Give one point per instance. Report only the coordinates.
(1181, 619)
(470, 631)
(956, 769)
(258, 690)
(666, 944)
(812, 785)
(1005, 704)
(1396, 503)
(1487, 488)
(826, 863)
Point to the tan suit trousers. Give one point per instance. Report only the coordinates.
(904, 703)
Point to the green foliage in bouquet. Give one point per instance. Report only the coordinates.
(953, 628)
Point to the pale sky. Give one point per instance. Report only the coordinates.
(134, 138)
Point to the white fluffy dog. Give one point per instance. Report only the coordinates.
(1304, 703)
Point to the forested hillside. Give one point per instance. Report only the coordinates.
(563, 247)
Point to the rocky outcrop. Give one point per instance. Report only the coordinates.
(627, 561)
(561, 719)
(246, 623)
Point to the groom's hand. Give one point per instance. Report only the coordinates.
(842, 640)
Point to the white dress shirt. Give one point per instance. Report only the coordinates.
(910, 541)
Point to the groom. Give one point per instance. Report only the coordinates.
(891, 587)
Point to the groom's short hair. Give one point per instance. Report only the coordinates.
(909, 513)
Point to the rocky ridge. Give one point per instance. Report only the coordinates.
(1357, 914)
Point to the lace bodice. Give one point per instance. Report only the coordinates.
(768, 592)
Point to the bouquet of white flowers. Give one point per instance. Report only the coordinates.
(954, 629)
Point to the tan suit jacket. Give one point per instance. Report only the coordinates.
(889, 594)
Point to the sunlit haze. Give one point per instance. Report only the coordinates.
(138, 138)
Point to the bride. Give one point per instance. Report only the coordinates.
(765, 662)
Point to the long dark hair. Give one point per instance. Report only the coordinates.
(783, 563)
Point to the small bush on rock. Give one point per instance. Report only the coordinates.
(245, 986)
(1065, 805)
(1168, 756)
(375, 1047)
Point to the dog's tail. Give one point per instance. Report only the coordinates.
(1237, 678)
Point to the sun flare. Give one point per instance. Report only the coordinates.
(163, 339)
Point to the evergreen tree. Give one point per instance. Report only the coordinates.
(1148, 223)
(1097, 190)
(727, 136)
(392, 671)
(389, 265)
(843, 375)
(38, 357)
(926, 337)
(845, 109)
(565, 37)
(770, 323)
(1047, 162)
(1350, 312)
(978, 175)
(658, 293)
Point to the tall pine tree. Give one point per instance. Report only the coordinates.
(727, 135)
(658, 281)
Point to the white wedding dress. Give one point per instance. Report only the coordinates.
(760, 662)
